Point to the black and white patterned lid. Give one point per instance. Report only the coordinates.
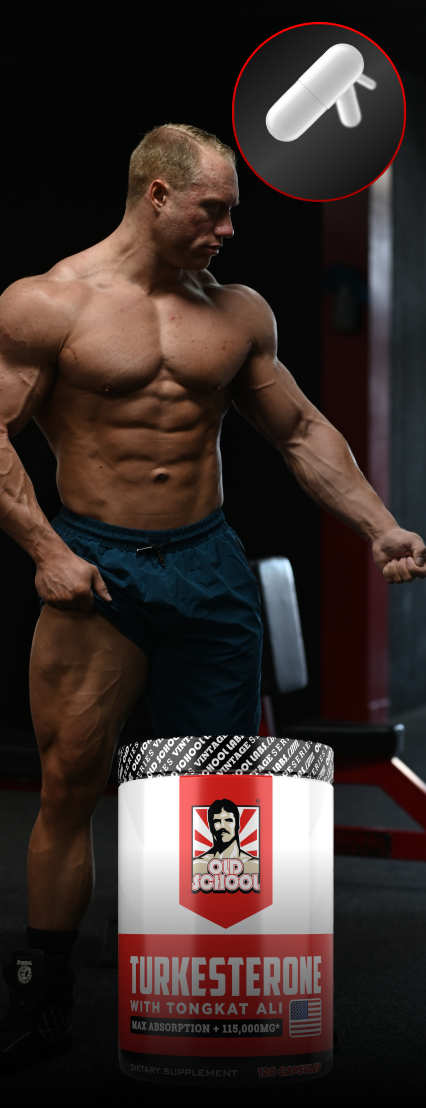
(223, 754)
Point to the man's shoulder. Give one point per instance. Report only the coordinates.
(55, 294)
(199, 865)
(64, 288)
(242, 299)
(251, 864)
(245, 292)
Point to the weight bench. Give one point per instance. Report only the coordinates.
(365, 754)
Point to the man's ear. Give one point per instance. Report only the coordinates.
(158, 194)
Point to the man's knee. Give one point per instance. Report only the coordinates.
(72, 786)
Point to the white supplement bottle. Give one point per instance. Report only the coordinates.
(226, 910)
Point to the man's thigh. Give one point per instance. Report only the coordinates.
(85, 677)
(207, 684)
(204, 673)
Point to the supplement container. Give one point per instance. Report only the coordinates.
(226, 910)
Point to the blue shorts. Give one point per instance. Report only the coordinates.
(191, 603)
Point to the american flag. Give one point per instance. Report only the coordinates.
(304, 1018)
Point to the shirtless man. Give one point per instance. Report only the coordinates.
(224, 823)
(128, 355)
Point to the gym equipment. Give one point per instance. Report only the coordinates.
(283, 660)
(365, 753)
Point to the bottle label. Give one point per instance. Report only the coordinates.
(226, 916)
(205, 995)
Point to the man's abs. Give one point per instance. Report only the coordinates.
(148, 459)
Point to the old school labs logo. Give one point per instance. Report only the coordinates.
(232, 837)
(225, 846)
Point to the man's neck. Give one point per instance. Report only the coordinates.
(132, 252)
(230, 851)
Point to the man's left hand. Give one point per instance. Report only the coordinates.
(400, 555)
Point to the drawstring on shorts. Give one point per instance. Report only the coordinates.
(155, 550)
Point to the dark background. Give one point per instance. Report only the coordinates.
(77, 97)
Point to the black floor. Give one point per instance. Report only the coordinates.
(380, 965)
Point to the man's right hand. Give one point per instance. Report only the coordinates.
(63, 580)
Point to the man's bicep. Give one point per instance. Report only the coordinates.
(26, 360)
(23, 390)
(264, 391)
(267, 395)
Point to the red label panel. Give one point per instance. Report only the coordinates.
(225, 889)
(226, 996)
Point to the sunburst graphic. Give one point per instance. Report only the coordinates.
(249, 831)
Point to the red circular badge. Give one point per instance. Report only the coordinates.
(319, 111)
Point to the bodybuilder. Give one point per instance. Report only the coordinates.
(128, 356)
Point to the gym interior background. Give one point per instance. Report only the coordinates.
(346, 282)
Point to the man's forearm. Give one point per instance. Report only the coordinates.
(20, 514)
(324, 466)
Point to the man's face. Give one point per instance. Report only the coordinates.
(193, 224)
(224, 827)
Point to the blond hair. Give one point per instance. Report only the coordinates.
(173, 152)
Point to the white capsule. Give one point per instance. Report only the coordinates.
(348, 108)
(321, 86)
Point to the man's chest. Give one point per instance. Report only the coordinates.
(123, 343)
